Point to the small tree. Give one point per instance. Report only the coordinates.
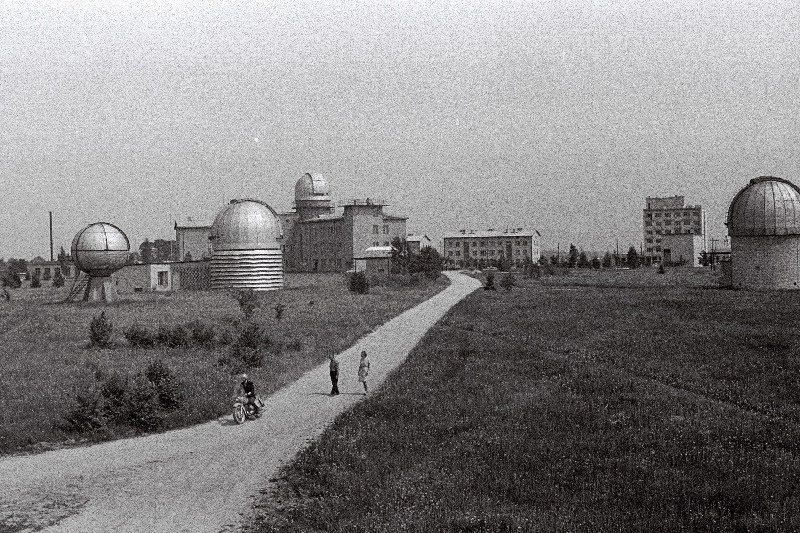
(100, 329)
(632, 258)
(359, 283)
(596, 263)
(490, 282)
(508, 282)
(35, 282)
(572, 259)
(248, 302)
(607, 260)
(583, 260)
(58, 279)
(279, 309)
(429, 262)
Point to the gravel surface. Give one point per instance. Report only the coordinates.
(201, 478)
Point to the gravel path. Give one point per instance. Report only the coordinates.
(201, 478)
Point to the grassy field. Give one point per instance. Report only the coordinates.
(46, 359)
(603, 404)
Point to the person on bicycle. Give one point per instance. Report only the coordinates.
(247, 388)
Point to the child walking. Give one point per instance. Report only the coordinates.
(363, 370)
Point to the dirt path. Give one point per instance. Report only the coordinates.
(201, 478)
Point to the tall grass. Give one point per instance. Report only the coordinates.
(593, 409)
(46, 359)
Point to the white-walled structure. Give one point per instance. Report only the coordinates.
(764, 227)
(246, 249)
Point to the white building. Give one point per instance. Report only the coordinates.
(471, 248)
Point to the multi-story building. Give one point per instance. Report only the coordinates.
(317, 237)
(668, 216)
(468, 248)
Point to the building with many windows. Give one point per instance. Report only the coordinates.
(471, 248)
(668, 216)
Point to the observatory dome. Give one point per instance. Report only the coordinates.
(768, 206)
(246, 225)
(311, 187)
(100, 249)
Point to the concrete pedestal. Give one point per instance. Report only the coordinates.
(100, 289)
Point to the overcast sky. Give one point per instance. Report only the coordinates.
(557, 116)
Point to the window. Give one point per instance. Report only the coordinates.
(163, 278)
(483, 252)
(658, 215)
(386, 229)
(648, 215)
(458, 253)
(667, 215)
(650, 249)
(491, 252)
(375, 229)
(483, 244)
(648, 223)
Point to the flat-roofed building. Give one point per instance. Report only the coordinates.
(417, 242)
(471, 248)
(668, 216)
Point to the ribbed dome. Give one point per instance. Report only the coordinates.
(311, 187)
(246, 225)
(767, 206)
(100, 249)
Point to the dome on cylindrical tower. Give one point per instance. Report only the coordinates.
(246, 248)
(764, 226)
(767, 206)
(100, 249)
(246, 225)
(311, 187)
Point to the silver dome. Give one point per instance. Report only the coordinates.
(311, 187)
(767, 206)
(100, 249)
(246, 225)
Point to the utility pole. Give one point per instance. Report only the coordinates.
(51, 235)
(713, 242)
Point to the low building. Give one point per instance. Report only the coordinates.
(375, 260)
(417, 242)
(471, 248)
(144, 278)
(46, 270)
(683, 249)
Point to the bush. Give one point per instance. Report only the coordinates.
(143, 409)
(169, 391)
(35, 282)
(359, 283)
(87, 416)
(279, 309)
(248, 302)
(172, 337)
(248, 350)
(202, 333)
(139, 336)
(100, 330)
(114, 391)
(11, 280)
(508, 282)
(490, 282)
(58, 279)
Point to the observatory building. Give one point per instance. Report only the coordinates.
(99, 250)
(764, 227)
(317, 237)
(245, 239)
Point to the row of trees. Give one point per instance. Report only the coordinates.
(577, 259)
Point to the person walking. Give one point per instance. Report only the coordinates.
(334, 375)
(363, 370)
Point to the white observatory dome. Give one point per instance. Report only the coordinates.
(768, 206)
(311, 187)
(100, 249)
(246, 225)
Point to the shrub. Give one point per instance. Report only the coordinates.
(359, 283)
(58, 279)
(35, 282)
(168, 389)
(248, 350)
(508, 282)
(10, 279)
(172, 337)
(226, 337)
(202, 333)
(143, 409)
(114, 391)
(490, 282)
(87, 415)
(248, 302)
(100, 329)
(279, 309)
(139, 336)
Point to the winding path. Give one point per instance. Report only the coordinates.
(202, 478)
